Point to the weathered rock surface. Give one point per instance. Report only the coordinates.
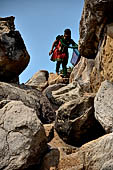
(48, 93)
(39, 80)
(58, 150)
(96, 22)
(91, 72)
(110, 30)
(56, 79)
(22, 136)
(96, 14)
(78, 118)
(67, 93)
(103, 69)
(75, 121)
(82, 71)
(14, 57)
(95, 155)
(42, 79)
(104, 106)
(32, 98)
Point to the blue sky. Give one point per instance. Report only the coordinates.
(39, 22)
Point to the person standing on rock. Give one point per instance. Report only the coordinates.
(59, 50)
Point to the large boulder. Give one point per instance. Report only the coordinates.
(95, 155)
(96, 14)
(32, 98)
(75, 121)
(82, 71)
(96, 42)
(39, 80)
(67, 93)
(14, 57)
(103, 64)
(48, 92)
(103, 106)
(22, 136)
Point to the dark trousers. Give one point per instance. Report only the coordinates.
(64, 67)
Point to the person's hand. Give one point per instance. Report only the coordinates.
(50, 52)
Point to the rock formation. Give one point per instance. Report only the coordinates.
(103, 69)
(39, 80)
(91, 76)
(96, 39)
(103, 105)
(52, 123)
(23, 110)
(96, 14)
(14, 57)
(22, 136)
